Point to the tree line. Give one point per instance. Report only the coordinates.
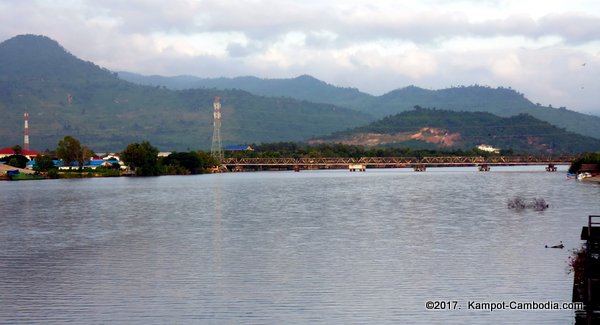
(302, 150)
(142, 159)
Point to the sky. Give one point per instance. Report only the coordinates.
(547, 49)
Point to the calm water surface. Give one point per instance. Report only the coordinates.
(328, 247)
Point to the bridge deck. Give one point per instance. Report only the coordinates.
(401, 161)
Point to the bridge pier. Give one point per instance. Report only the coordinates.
(357, 167)
(419, 168)
(484, 168)
(551, 168)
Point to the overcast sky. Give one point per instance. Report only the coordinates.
(547, 49)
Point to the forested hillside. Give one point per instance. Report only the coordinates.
(448, 129)
(67, 96)
(499, 101)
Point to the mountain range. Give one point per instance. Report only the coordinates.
(501, 101)
(68, 96)
(106, 110)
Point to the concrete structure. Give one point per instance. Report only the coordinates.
(164, 153)
(357, 167)
(90, 164)
(488, 148)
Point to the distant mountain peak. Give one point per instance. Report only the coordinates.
(307, 77)
(33, 44)
(38, 56)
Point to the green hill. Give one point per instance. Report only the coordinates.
(429, 128)
(499, 101)
(67, 96)
(303, 87)
(503, 102)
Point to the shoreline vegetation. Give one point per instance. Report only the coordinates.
(142, 159)
(588, 163)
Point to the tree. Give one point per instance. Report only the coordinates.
(207, 160)
(141, 157)
(43, 163)
(17, 161)
(17, 149)
(70, 150)
(187, 160)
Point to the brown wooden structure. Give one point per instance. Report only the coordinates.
(586, 286)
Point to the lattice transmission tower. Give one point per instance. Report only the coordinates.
(216, 149)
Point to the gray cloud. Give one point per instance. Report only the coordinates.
(236, 49)
(359, 44)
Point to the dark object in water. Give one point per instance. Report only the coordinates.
(519, 203)
(561, 246)
(538, 204)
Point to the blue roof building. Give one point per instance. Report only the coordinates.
(238, 148)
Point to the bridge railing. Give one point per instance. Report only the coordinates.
(400, 161)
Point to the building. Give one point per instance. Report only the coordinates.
(30, 154)
(91, 164)
(488, 148)
(238, 148)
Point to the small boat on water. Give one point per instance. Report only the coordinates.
(16, 175)
(571, 176)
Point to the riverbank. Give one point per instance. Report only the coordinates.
(7, 173)
(4, 168)
(592, 179)
(29, 174)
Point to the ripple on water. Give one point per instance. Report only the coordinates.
(312, 247)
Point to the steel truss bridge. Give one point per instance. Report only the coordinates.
(394, 162)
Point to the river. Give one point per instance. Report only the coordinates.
(319, 247)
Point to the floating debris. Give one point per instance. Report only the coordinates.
(519, 203)
(538, 204)
(561, 245)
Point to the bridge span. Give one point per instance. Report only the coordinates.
(418, 163)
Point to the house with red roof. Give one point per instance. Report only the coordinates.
(30, 154)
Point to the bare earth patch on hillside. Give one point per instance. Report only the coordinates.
(430, 135)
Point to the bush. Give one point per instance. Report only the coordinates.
(17, 161)
(53, 173)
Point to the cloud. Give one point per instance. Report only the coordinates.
(236, 49)
(146, 16)
(534, 46)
